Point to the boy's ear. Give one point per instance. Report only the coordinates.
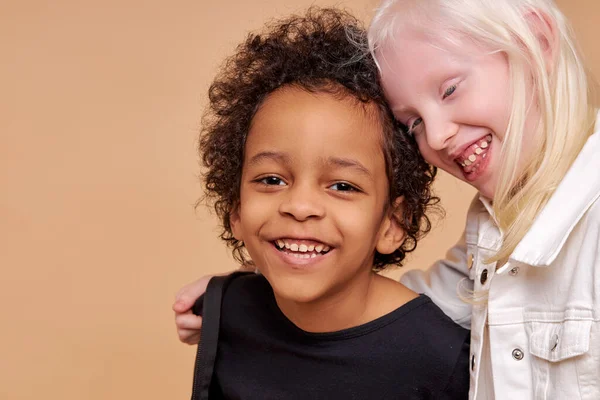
(234, 222)
(391, 234)
(543, 26)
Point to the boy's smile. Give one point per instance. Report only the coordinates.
(313, 195)
(302, 248)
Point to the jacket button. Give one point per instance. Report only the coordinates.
(484, 276)
(517, 354)
(470, 261)
(554, 342)
(514, 271)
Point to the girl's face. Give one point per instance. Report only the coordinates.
(455, 102)
(313, 197)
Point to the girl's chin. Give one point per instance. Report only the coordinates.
(484, 188)
(488, 194)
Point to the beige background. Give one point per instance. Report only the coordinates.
(99, 108)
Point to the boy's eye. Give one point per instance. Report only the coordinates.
(272, 181)
(449, 91)
(343, 187)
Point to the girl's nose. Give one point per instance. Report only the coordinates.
(439, 132)
(302, 203)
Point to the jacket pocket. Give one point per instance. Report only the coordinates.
(563, 364)
(558, 341)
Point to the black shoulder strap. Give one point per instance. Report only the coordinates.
(209, 306)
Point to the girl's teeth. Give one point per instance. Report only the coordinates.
(484, 144)
(326, 248)
(294, 247)
(313, 255)
(318, 248)
(311, 247)
(280, 244)
(303, 248)
(287, 246)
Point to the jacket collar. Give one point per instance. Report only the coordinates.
(575, 194)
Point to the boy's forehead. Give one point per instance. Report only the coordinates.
(298, 101)
(289, 117)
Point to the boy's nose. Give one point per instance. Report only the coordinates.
(302, 203)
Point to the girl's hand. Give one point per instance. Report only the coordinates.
(189, 325)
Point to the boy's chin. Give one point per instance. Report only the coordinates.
(300, 290)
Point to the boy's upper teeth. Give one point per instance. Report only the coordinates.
(301, 247)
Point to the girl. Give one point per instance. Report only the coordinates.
(495, 93)
(318, 188)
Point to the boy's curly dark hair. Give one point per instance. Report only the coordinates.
(322, 51)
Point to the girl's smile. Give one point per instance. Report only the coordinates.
(456, 101)
(474, 157)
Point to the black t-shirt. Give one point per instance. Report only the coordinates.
(414, 352)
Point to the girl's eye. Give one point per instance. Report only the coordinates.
(343, 187)
(414, 124)
(449, 91)
(272, 181)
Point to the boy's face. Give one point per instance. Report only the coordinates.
(457, 101)
(314, 192)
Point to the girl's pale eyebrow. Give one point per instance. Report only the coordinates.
(348, 163)
(400, 109)
(269, 155)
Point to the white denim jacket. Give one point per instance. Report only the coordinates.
(538, 334)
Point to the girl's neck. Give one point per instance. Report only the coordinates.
(359, 302)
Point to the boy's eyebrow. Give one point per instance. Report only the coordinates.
(348, 163)
(333, 162)
(269, 155)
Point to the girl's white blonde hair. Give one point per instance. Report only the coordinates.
(562, 91)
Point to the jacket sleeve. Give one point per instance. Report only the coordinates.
(443, 281)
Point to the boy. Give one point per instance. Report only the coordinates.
(318, 188)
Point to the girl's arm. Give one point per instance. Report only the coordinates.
(440, 282)
(189, 325)
(443, 281)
